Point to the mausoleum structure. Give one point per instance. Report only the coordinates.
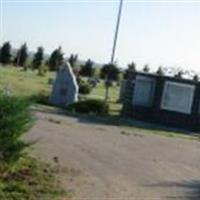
(164, 99)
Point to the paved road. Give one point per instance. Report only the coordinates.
(99, 162)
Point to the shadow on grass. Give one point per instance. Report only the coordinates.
(187, 190)
(117, 120)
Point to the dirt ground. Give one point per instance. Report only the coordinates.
(104, 162)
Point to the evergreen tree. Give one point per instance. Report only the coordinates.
(160, 71)
(196, 77)
(131, 68)
(56, 59)
(110, 72)
(22, 55)
(73, 59)
(38, 58)
(179, 74)
(5, 53)
(146, 69)
(87, 70)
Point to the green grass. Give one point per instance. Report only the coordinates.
(29, 179)
(99, 93)
(154, 129)
(23, 83)
(28, 83)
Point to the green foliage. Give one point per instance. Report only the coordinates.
(29, 179)
(84, 88)
(5, 53)
(146, 68)
(73, 59)
(91, 106)
(41, 98)
(196, 78)
(87, 70)
(160, 71)
(131, 69)
(179, 75)
(38, 58)
(15, 120)
(22, 55)
(27, 83)
(110, 72)
(56, 59)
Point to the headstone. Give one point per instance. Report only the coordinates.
(65, 88)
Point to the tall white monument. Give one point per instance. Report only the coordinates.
(65, 88)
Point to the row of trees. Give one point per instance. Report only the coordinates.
(39, 61)
(22, 57)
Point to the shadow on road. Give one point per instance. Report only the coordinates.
(114, 120)
(187, 190)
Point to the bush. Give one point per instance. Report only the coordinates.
(40, 98)
(84, 88)
(91, 106)
(15, 120)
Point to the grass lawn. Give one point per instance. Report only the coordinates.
(23, 83)
(28, 83)
(99, 93)
(29, 179)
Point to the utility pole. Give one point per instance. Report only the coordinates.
(114, 46)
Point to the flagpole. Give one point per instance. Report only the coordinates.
(114, 45)
(116, 32)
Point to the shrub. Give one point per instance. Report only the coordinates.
(40, 98)
(15, 120)
(84, 88)
(92, 106)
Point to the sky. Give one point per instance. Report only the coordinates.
(153, 32)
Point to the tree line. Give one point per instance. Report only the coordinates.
(41, 62)
(22, 56)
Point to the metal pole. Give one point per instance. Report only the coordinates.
(114, 45)
(116, 31)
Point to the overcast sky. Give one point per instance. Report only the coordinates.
(152, 32)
